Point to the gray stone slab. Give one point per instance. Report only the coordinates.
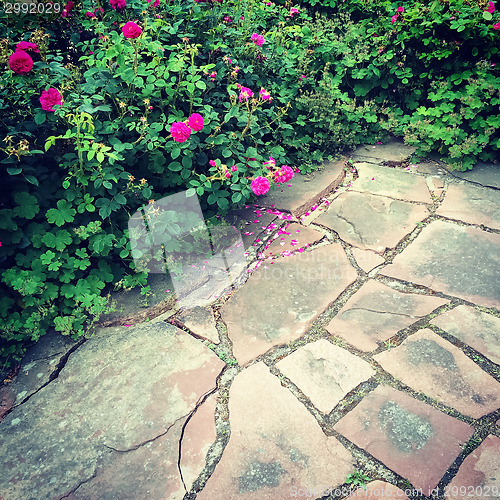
(280, 301)
(391, 182)
(121, 389)
(371, 222)
(472, 204)
(393, 151)
(200, 320)
(486, 174)
(479, 330)
(304, 191)
(429, 364)
(457, 260)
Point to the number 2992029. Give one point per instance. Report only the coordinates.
(19, 8)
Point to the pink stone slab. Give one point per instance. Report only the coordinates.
(201, 322)
(408, 436)
(372, 222)
(367, 259)
(457, 260)
(479, 474)
(324, 372)
(377, 312)
(429, 364)
(478, 329)
(473, 204)
(278, 304)
(276, 445)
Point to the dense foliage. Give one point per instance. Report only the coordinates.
(106, 108)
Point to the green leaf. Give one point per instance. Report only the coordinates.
(47, 257)
(28, 205)
(187, 162)
(62, 214)
(14, 170)
(175, 153)
(40, 118)
(31, 179)
(201, 85)
(100, 157)
(487, 16)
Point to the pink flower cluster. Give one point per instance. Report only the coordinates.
(156, 3)
(284, 174)
(257, 39)
(266, 96)
(118, 4)
(491, 7)
(496, 26)
(181, 132)
(245, 93)
(293, 11)
(399, 10)
(68, 8)
(20, 61)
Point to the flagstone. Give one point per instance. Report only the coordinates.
(392, 151)
(200, 320)
(429, 364)
(278, 304)
(304, 191)
(486, 174)
(472, 204)
(276, 446)
(479, 474)
(377, 312)
(391, 182)
(292, 237)
(371, 222)
(324, 372)
(442, 259)
(410, 437)
(120, 390)
(478, 329)
(367, 259)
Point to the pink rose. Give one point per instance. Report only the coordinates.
(284, 174)
(156, 3)
(212, 163)
(491, 7)
(118, 4)
(131, 30)
(257, 39)
(90, 14)
(196, 122)
(496, 26)
(49, 99)
(180, 131)
(260, 185)
(400, 9)
(293, 11)
(266, 96)
(27, 47)
(394, 18)
(234, 168)
(20, 62)
(245, 93)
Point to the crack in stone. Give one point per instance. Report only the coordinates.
(53, 375)
(81, 483)
(354, 228)
(383, 312)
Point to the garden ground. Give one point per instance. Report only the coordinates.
(366, 340)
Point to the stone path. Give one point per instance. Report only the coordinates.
(362, 344)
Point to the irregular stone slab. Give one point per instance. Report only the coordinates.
(379, 490)
(122, 388)
(372, 222)
(479, 474)
(276, 445)
(408, 436)
(391, 182)
(201, 322)
(148, 472)
(486, 174)
(278, 304)
(429, 364)
(377, 312)
(292, 237)
(199, 435)
(435, 185)
(367, 259)
(479, 330)
(304, 191)
(473, 204)
(394, 151)
(429, 167)
(324, 372)
(457, 260)
(37, 366)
